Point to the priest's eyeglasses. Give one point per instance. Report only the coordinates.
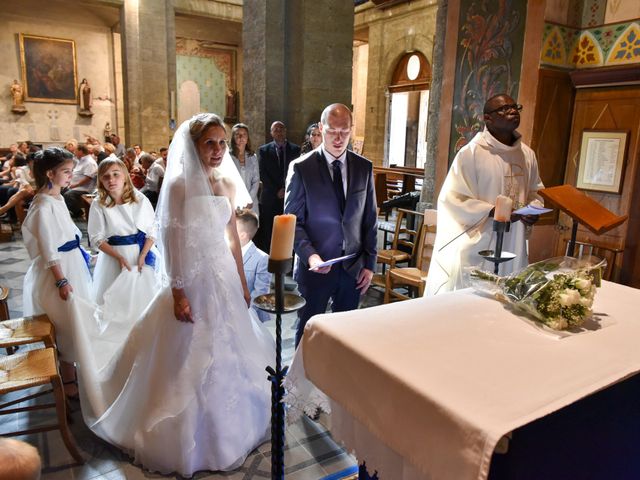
(506, 108)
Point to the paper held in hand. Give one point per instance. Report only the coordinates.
(332, 261)
(532, 210)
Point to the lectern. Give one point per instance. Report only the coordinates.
(583, 210)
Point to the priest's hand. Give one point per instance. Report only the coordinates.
(364, 280)
(314, 261)
(529, 220)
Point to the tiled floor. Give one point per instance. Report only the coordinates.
(310, 454)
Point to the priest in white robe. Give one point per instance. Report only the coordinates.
(495, 162)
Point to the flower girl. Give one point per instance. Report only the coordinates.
(121, 226)
(59, 264)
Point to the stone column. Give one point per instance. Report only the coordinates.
(297, 60)
(428, 197)
(149, 70)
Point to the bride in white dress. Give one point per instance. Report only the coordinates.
(187, 390)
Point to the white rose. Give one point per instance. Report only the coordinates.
(569, 297)
(583, 284)
(586, 302)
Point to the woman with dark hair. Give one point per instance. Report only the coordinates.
(187, 391)
(246, 162)
(312, 139)
(59, 265)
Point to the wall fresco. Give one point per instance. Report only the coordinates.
(606, 45)
(488, 61)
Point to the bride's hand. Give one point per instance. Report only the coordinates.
(182, 309)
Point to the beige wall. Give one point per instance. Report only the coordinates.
(392, 33)
(95, 61)
(359, 93)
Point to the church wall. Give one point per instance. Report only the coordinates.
(211, 50)
(392, 33)
(54, 123)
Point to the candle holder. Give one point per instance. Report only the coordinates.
(279, 303)
(497, 256)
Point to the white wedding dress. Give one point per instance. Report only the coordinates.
(183, 397)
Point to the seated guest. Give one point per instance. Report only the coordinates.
(18, 460)
(154, 177)
(135, 169)
(255, 260)
(11, 187)
(26, 189)
(83, 180)
(120, 150)
(72, 146)
(139, 152)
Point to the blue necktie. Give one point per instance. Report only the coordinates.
(337, 184)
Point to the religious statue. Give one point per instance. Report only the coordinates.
(84, 99)
(231, 106)
(107, 132)
(17, 93)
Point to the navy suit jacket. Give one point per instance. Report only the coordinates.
(271, 175)
(321, 228)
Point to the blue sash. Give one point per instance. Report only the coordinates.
(133, 239)
(72, 244)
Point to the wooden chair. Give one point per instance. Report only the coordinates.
(32, 369)
(413, 277)
(403, 246)
(4, 306)
(610, 254)
(25, 330)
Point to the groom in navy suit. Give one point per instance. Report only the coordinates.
(330, 191)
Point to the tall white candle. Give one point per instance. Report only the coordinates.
(284, 229)
(502, 212)
(172, 106)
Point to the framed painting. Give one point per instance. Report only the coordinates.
(602, 159)
(48, 69)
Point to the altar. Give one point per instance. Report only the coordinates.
(427, 388)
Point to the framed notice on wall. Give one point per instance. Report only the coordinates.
(48, 69)
(602, 159)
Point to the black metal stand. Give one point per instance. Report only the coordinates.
(278, 302)
(496, 256)
(572, 242)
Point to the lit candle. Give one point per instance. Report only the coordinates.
(284, 228)
(502, 212)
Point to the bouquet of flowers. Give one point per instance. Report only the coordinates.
(557, 292)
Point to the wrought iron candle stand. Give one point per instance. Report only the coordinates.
(497, 256)
(279, 303)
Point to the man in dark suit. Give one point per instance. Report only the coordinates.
(273, 162)
(330, 190)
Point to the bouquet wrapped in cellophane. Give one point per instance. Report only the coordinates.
(557, 292)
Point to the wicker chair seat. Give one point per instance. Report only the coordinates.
(21, 331)
(26, 370)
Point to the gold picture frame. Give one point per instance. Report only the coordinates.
(602, 160)
(49, 70)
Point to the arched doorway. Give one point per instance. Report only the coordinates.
(408, 106)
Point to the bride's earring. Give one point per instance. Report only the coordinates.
(49, 184)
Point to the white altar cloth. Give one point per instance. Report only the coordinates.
(439, 380)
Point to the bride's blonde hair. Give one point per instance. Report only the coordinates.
(128, 195)
(201, 122)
